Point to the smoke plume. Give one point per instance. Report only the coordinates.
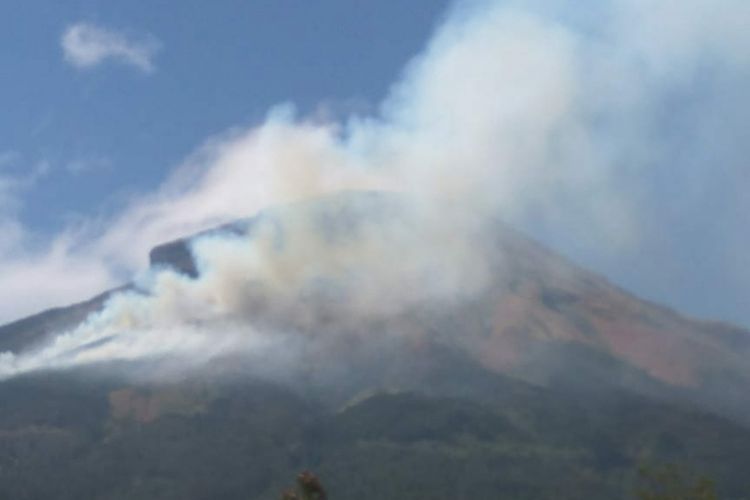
(528, 111)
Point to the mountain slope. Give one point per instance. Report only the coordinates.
(550, 383)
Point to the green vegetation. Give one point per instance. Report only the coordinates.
(61, 437)
(669, 482)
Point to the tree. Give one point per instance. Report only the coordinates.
(309, 486)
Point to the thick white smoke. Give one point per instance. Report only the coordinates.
(516, 109)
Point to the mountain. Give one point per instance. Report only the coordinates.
(550, 383)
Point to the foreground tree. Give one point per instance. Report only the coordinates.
(309, 486)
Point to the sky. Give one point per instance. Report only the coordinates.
(107, 107)
(210, 68)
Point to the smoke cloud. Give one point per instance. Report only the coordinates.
(528, 111)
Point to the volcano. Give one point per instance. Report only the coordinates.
(550, 382)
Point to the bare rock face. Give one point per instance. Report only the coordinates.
(176, 255)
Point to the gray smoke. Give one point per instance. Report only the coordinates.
(527, 110)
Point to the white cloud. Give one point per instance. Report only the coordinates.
(86, 45)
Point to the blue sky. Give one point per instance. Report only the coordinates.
(76, 143)
(219, 66)
(81, 139)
